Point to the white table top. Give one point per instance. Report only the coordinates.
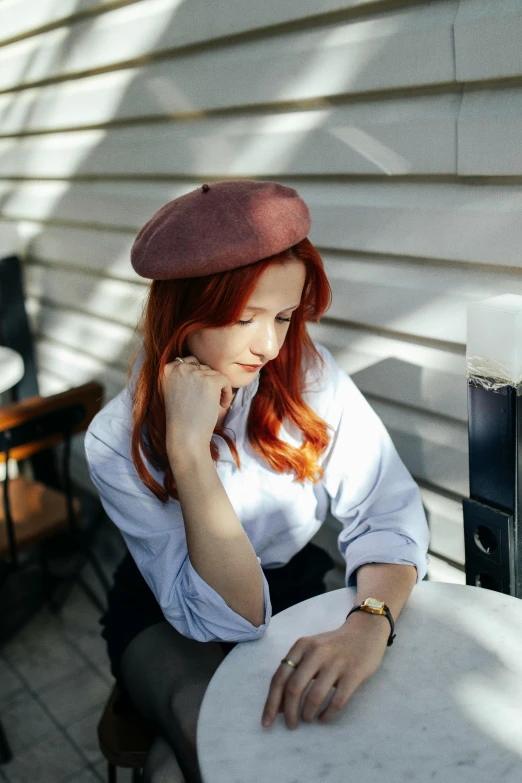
(445, 705)
(11, 368)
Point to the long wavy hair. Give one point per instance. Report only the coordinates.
(176, 308)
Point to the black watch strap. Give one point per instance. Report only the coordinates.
(388, 615)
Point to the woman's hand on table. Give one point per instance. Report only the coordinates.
(343, 659)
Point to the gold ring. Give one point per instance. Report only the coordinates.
(289, 662)
(179, 359)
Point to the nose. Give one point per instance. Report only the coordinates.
(265, 345)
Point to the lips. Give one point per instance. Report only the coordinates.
(251, 366)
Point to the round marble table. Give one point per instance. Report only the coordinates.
(11, 368)
(445, 704)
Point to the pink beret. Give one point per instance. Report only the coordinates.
(219, 227)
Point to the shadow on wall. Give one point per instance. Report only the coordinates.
(109, 180)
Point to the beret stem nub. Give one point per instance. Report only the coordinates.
(205, 188)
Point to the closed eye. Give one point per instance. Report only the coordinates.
(281, 320)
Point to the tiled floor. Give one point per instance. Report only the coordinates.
(54, 682)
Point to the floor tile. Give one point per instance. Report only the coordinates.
(25, 722)
(85, 735)
(72, 699)
(78, 615)
(40, 653)
(88, 776)
(51, 760)
(94, 648)
(10, 683)
(124, 775)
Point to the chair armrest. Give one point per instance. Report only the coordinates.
(17, 414)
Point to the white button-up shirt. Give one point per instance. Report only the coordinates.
(367, 486)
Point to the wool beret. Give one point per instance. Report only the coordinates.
(219, 227)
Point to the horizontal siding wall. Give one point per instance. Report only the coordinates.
(398, 122)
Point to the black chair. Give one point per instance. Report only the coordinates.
(32, 510)
(39, 507)
(15, 333)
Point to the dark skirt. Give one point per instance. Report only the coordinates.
(132, 606)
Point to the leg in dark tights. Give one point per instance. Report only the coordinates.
(166, 675)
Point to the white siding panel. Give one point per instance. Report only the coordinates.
(19, 17)
(407, 40)
(433, 450)
(73, 368)
(22, 16)
(236, 15)
(125, 33)
(440, 571)
(103, 298)
(358, 348)
(446, 522)
(479, 223)
(412, 385)
(364, 138)
(292, 67)
(425, 378)
(50, 384)
(113, 343)
(124, 204)
(412, 298)
(487, 39)
(107, 252)
(489, 133)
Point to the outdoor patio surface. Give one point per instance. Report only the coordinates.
(54, 682)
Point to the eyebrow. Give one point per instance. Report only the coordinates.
(263, 310)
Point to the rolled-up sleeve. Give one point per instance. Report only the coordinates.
(371, 492)
(155, 536)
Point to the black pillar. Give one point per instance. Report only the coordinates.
(491, 514)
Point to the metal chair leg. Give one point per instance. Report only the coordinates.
(5, 751)
(111, 772)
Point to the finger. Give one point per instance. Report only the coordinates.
(318, 692)
(295, 687)
(275, 698)
(274, 701)
(226, 395)
(193, 360)
(343, 691)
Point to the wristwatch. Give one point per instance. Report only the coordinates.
(373, 606)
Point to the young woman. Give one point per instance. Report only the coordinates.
(218, 463)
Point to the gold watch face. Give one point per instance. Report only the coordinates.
(374, 604)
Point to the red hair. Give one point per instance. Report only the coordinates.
(175, 309)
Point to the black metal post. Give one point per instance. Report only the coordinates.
(492, 513)
(5, 751)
